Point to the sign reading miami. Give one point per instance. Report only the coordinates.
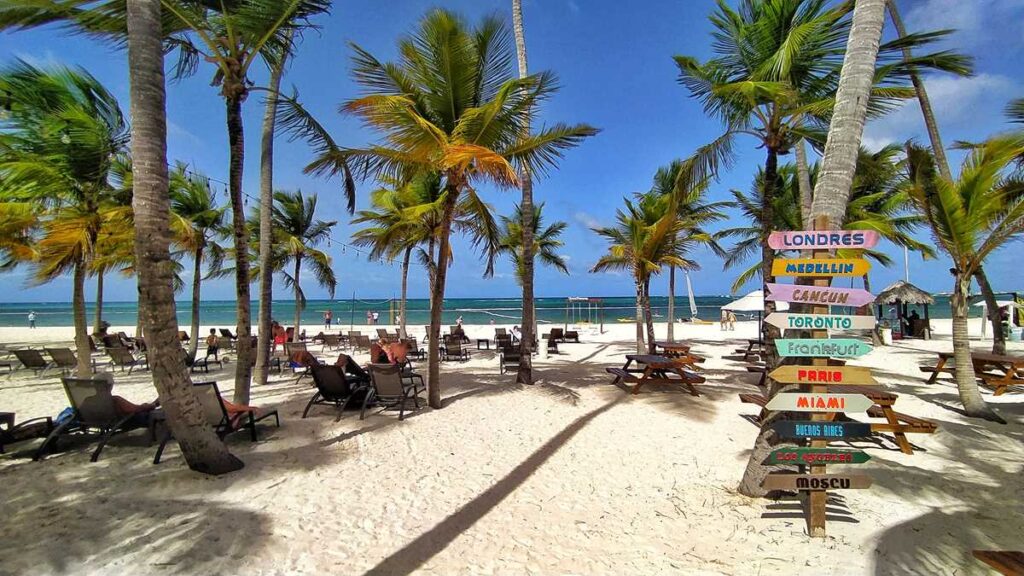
(824, 240)
(818, 267)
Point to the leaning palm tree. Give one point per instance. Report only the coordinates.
(198, 223)
(450, 106)
(297, 232)
(546, 241)
(56, 151)
(970, 217)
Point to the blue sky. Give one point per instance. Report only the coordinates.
(614, 62)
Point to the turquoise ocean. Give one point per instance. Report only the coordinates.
(353, 311)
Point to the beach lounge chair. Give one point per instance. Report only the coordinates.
(413, 348)
(123, 357)
(227, 334)
(390, 389)
(203, 363)
(502, 341)
(333, 388)
(32, 359)
(331, 342)
(571, 336)
(508, 358)
(556, 335)
(94, 410)
(383, 334)
(126, 340)
(499, 332)
(361, 343)
(65, 359)
(454, 348)
(11, 433)
(183, 336)
(223, 424)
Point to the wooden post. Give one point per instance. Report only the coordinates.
(818, 498)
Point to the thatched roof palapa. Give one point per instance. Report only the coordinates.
(904, 292)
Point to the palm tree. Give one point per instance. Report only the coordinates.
(198, 222)
(450, 106)
(970, 217)
(547, 241)
(61, 135)
(297, 232)
(202, 449)
(232, 36)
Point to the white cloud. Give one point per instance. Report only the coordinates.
(974, 20)
(586, 219)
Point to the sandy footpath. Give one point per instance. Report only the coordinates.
(570, 476)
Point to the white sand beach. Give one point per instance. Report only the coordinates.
(570, 476)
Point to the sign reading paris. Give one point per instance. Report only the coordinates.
(820, 267)
(823, 240)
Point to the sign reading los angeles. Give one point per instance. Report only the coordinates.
(821, 430)
(816, 456)
(820, 321)
(825, 295)
(811, 402)
(820, 267)
(816, 481)
(814, 347)
(823, 375)
(824, 240)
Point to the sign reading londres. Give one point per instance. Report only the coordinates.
(823, 240)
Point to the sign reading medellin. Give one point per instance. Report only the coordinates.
(823, 240)
(815, 481)
(820, 321)
(814, 347)
(821, 430)
(825, 295)
(823, 375)
(817, 456)
(820, 267)
(812, 402)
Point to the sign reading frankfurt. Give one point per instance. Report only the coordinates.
(821, 430)
(814, 347)
(817, 456)
(824, 295)
(820, 321)
(823, 375)
(823, 240)
(815, 481)
(810, 402)
(819, 267)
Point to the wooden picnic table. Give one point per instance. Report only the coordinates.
(680, 352)
(654, 369)
(672, 347)
(996, 371)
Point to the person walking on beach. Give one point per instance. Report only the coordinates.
(32, 319)
(732, 321)
(724, 322)
(369, 317)
(376, 317)
(327, 320)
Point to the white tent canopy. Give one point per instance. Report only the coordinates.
(753, 302)
(1001, 304)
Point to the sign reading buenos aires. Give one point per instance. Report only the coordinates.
(819, 267)
(824, 240)
(814, 347)
(817, 456)
(821, 430)
(826, 295)
(811, 402)
(820, 321)
(823, 375)
(816, 481)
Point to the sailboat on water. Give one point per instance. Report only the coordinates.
(693, 303)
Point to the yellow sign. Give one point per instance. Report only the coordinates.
(818, 267)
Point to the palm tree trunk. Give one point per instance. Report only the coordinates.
(671, 302)
(648, 317)
(81, 325)
(299, 305)
(768, 332)
(876, 337)
(201, 447)
(437, 297)
(525, 373)
(847, 127)
(994, 313)
(966, 380)
(197, 279)
(99, 303)
(803, 173)
(243, 347)
(265, 317)
(639, 316)
(405, 292)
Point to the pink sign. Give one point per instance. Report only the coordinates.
(823, 240)
(824, 295)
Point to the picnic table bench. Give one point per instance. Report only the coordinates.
(1010, 563)
(996, 371)
(754, 347)
(655, 370)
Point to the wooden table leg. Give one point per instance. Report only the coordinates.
(643, 378)
(682, 374)
(901, 438)
(938, 369)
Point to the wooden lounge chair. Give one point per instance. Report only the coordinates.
(123, 357)
(333, 388)
(32, 360)
(556, 335)
(571, 336)
(11, 433)
(227, 334)
(390, 389)
(65, 359)
(454, 349)
(94, 410)
(223, 424)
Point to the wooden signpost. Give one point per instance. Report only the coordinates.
(816, 481)
(819, 295)
(811, 456)
(810, 402)
(820, 267)
(823, 375)
(821, 430)
(824, 240)
(822, 347)
(792, 321)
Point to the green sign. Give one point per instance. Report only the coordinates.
(817, 456)
(822, 347)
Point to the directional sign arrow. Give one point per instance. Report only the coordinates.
(825, 295)
(811, 402)
(821, 347)
(816, 481)
(786, 321)
(821, 430)
(824, 240)
(817, 456)
(823, 375)
(820, 267)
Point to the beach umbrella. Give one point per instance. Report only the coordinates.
(754, 302)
